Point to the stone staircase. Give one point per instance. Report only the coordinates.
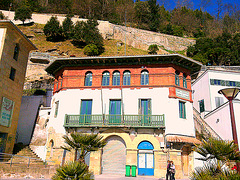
(26, 157)
(202, 127)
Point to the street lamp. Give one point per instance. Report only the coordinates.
(230, 94)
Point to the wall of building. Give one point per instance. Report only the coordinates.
(70, 101)
(220, 120)
(12, 89)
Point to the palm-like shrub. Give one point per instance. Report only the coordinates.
(83, 143)
(217, 153)
(73, 170)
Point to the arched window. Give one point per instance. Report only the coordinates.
(177, 78)
(105, 78)
(144, 77)
(184, 80)
(88, 79)
(126, 78)
(16, 52)
(116, 78)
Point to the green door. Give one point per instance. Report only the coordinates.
(115, 112)
(86, 112)
(145, 111)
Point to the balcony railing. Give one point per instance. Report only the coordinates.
(153, 121)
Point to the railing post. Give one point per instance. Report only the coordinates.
(28, 162)
(11, 160)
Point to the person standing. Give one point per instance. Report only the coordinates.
(168, 175)
(172, 170)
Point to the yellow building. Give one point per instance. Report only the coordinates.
(14, 50)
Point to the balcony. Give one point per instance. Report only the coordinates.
(136, 121)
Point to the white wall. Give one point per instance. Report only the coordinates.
(202, 91)
(69, 103)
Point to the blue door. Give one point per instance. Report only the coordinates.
(145, 159)
(86, 111)
(115, 112)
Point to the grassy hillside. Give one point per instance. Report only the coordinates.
(66, 48)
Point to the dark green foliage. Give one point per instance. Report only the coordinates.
(88, 33)
(67, 27)
(1, 15)
(53, 30)
(22, 13)
(152, 49)
(73, 170)
(222, 50)
(91, 50)
(4, 4)
(36, 92)
(84, 142)
(154, 15)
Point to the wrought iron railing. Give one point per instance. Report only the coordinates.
(155, 121)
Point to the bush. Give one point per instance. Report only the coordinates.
(73, 170)
(22, 13)
(53, 30)
(152, 49)
(91, 50)
(31, 92)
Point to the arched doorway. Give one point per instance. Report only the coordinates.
(145, 159)
(114, 156)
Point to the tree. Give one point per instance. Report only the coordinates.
(84, 143)
(88, 33)
(67, 27)
(53, 30)
(154, 20)
(1, 15)
(22, 13)
(73, 170)
(152, 49)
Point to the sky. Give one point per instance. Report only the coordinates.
(211, 7)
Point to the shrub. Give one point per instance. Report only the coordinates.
(73, 170)
(53, 30)
(31, 92)
(1, 15)
(91, 50)
(152, 49)
(22, 13)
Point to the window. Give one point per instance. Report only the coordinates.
(105, 78)
(116, 78)
(12, 74)
(56, 108)
(126, 78)
(218, 101)
(86, 111)
(115, 112)
(177, 78)
(182, 110)
(232, 83)
(16, 52)
(144, 77)
(88, 79)
(201, 105)
(145, 110)
(184, 81)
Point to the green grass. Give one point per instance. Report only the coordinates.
(66, 47)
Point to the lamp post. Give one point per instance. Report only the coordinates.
(230, 94)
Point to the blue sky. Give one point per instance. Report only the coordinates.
(211, 7)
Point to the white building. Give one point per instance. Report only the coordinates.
(141, 105)
(213, 106)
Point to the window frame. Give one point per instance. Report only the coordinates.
(126, 78)
(116, 78)
(177, 80)
(182, 109)
(56, 109)
(144, 80)
(12, 74)
(16, 52)
(105, 78)
(88, 79)
(184, 80)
